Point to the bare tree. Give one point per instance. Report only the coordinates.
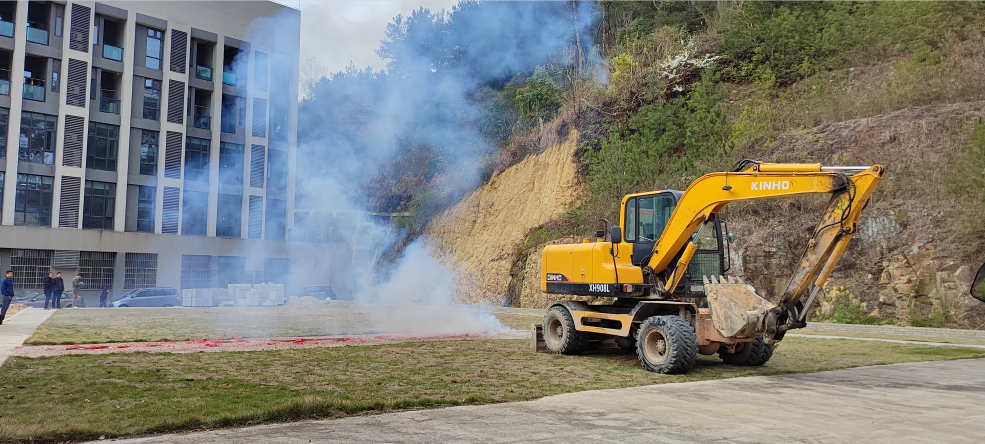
(310, 74)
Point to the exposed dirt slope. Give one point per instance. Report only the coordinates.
(478, 237)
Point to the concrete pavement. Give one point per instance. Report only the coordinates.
(17, 328)
(916, 402)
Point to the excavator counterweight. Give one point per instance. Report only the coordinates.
(666, 261)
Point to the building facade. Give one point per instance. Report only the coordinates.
(152, 144)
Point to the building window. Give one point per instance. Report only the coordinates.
(232, 270)
(155, 48)
(1, 193)
(152, 99)
(96, 268)
(146, 197)
(277, 169)
(4, 118)
(194, 211)
(231, 163)
(196, 271)
(32, 201)
(59, 19)
(276, 219)
(148, 153)
(260, 71)
(37, 139)
(276, 269)
(99, 205)
(30, 267)
(229, 215)
(104, 140)
(197, 159)
(278, 122)
(56, 69)
(140, 270)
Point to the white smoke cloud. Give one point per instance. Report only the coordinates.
(406, 108)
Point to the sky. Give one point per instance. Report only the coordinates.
(338, 32)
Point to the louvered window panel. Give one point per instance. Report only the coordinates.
(257, 160)
(66, 259)
(68, 211)
(259, 117)
(75, 94)
(172, 156)
(169, 218)
(176, 101)
(74, 132)
(179, 46)
(78, 38)
(255, 230)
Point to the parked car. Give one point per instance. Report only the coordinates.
(322, 292)
(149, 297)
(36, 299)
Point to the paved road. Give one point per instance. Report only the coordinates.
(919, 402)
(17, 328)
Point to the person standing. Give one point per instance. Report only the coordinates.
(76, 290)
(56, 293)
(49, 289)
(7, 290)
(102, 298)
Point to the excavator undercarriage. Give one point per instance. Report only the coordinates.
(662, 270)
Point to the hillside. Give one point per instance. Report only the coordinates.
(910, 100)
(478, 236)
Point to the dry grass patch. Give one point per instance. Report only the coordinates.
(85, 397)
(90, 326)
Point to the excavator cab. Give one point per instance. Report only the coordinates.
(646, 216)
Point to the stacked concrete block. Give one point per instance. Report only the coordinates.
(246, 295)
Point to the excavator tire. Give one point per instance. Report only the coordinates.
(751, 354)
(560, 335)
(667, 344)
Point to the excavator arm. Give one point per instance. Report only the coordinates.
(850, 188)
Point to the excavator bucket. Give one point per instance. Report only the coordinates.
(978, 285)
(736, 310)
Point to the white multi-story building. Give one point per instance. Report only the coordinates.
(151, 144)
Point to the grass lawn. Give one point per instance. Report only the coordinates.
(87, 326)
(64, 398)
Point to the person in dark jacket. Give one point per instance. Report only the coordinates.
(7, 290)
(102, 298)
(57, 291)
(49, 289)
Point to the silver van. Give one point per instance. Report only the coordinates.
(150, 297)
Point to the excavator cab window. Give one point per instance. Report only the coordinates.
(645, 219)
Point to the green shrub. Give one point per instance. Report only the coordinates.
(796, 39)
(667, 143)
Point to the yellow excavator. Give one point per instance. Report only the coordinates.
(664, 269)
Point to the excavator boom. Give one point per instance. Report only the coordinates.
(707, 196)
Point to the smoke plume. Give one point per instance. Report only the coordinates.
(406, 139)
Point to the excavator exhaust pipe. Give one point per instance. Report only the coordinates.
(736, 310)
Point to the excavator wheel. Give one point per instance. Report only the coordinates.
(560, 335)
(751, 354)
(667, 344)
